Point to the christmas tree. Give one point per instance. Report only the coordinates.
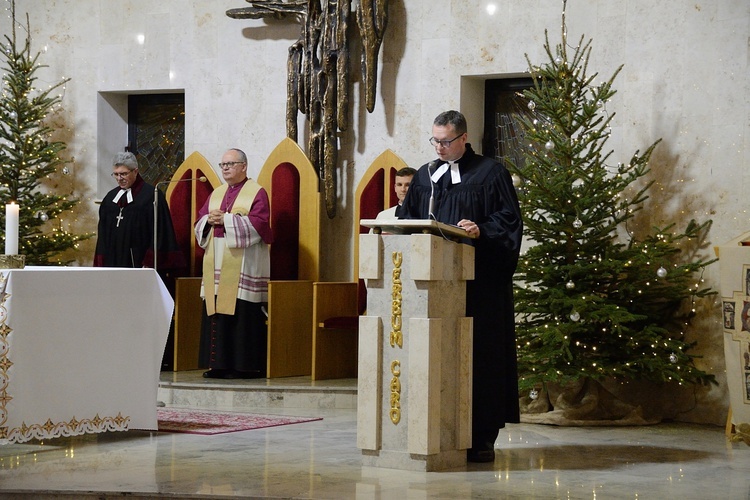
(595, 298)
(28, 156)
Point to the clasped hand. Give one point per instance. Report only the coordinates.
(216, 218)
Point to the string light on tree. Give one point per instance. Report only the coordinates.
(28, 153)
(607, 301)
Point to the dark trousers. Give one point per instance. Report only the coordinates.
(235, 342)
(495, 371)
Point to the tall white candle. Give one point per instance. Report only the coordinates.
(11, 228)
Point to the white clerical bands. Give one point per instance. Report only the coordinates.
(122, 192)
(455, 174)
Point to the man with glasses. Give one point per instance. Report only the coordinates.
(125, 234)
(234, 229)
(476, 193)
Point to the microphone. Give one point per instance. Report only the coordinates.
(430, 168)
(202, 178)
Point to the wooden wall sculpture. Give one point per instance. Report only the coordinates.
(318, 71)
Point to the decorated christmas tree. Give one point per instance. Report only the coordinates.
(28, 155)
(597, 297)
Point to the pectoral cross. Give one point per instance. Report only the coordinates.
(119, 217)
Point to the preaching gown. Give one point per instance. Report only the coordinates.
(237, 342)
(125, 235)
(486, 196)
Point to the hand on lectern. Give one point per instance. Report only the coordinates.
(470, 227)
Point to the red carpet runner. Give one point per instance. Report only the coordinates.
(211, 422)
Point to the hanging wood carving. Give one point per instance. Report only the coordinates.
(318, 71)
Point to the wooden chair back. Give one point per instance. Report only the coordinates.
(293, 190)
(185, 196)
(375, 193)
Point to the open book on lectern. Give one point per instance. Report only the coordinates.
(410, 226)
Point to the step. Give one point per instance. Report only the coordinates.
(191, 389)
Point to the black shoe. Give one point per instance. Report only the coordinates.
(483, 450)
(218, 373)
(480, 455)
(248, 374)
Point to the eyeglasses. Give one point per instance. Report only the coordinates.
(121, 175)
(445, 144)
(230, 164)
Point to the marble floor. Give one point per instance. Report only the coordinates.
(320, 460)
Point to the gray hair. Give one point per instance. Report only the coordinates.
(126, 159)
(241, 154)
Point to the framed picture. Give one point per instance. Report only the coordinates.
(728, 315)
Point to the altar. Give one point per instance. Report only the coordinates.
(80, 350)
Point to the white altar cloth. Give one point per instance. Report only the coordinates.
(80, 350)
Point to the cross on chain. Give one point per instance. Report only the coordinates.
(119, 217)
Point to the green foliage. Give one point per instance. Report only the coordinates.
(28, 156)
(592, 299)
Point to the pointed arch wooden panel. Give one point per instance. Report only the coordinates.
(375, 193)
(185, 197)
(293, 189)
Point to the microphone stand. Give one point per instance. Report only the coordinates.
(156, 208)
(431, 208)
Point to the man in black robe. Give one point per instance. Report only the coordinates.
(476, 193)
(125, 235)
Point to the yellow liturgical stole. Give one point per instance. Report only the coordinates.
(224, 300)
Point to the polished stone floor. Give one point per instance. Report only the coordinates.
(320, 460)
